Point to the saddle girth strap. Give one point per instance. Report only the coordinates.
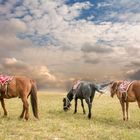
(6, 91)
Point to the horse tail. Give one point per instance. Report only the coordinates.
(34, 99)
(96, 88)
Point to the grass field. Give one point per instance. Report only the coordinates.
(54, 124)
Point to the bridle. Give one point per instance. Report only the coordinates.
(67, 102)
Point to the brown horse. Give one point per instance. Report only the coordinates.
(21, 87)
(131, 95)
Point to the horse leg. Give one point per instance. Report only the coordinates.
(123, 108)
(23, 112)
(26, 107)
(89, 107)
(82, 104)
(127, 106)
(3, 106)
(75, 111)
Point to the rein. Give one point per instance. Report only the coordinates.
(67, 101)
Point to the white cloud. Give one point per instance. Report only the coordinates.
(63, 33)
(41, 73)
(7, 6)
(10, 61)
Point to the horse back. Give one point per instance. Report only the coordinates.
(135, 89)
(86, 90)
(133, 92)
(19, 85)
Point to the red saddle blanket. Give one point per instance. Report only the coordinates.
(75, 86)
(4, 79)
(124, 86)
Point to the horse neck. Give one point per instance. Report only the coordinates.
(70, 96)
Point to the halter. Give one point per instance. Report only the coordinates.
(67, 101)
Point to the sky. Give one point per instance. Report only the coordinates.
(57, 41)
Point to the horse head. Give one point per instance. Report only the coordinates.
(66, 104)
(67, 100)
(114, 88)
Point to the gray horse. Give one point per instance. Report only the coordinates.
(85, 90)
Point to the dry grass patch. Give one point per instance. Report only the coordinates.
(54, 124)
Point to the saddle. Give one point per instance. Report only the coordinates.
(123, 88)
(4, 81)
(76, 85)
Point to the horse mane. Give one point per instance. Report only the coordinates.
(70, 94)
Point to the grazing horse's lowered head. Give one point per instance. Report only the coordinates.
(67, 100)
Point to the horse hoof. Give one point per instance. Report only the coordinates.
(4, 116)
(20, 118)
(36, 119)
(74, 112)
(26, 118)
(89, 116)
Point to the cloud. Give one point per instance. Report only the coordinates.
(132, 51)
(12, 26)
(119, 11)
(40, 73)
(8, 32)
(56, 40)
(134, 74)
(88, 48)
(92, 61)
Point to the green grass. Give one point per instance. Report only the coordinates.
(55, 124)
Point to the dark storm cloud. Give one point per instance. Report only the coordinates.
(135, 75)
(133, 64)
(136, 63)
(88, 48)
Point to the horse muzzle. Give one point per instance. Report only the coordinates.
(65, 109)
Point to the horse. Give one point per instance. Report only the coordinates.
(22, 87)
(132, 94)
(85, 90)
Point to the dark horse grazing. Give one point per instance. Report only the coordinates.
(20, 87)
(85, 90)
(132, 95)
